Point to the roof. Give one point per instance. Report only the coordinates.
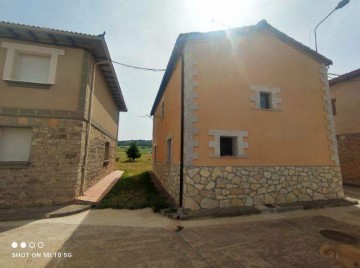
(262, 26)
(345, 77)
(95, 44)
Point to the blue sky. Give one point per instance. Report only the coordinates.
(143, 33)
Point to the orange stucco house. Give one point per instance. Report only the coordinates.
(345, 93)
(243, 117)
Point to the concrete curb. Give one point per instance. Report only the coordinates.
(68, 210)
(261, 209)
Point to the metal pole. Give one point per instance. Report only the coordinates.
(319, 25)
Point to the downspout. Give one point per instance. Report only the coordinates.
(88, 127)
(182, 134)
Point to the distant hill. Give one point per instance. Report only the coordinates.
(139, 143)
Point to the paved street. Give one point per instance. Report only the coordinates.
(140, 238)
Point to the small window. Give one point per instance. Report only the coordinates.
(162, 109)
(155, 151)
(169, 151)
(227, 146)
(33, 68)
(15, 144)
(107, 152)
(333, 105)
(265, 99)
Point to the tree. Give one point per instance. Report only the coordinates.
(133, 151)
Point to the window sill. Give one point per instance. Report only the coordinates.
(28, 84)
(229, 157)
(14, 164)
(263, 109)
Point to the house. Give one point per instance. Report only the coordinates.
(243, 117)
(345, 94)
(59, 111)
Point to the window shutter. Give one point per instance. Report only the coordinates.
(15, 144)
(33, 68)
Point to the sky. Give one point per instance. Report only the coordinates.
(143, 33)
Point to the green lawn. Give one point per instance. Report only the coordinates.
(135, 189)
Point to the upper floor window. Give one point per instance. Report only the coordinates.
(265, 100)
(333, 105)
(31, 64)
(162, 111)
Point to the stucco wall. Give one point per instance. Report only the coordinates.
(347, 95)
(63, 95)
(105, 112)
(347, 125)
(170, 125)
(295, 135)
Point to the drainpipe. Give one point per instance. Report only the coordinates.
(182, 134)
(88, 127)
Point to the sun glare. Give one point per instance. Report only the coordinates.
(224, 13)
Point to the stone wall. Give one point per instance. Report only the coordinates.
(214, 187)
(168, 175)
(349, 154)
(54, 173)
(96, 167)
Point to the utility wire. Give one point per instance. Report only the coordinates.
(137, 67)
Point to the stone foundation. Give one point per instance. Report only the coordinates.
(168, 175)
(214, 187)
(96, 167)
(349, 154)
(53, 175)
(54, 172)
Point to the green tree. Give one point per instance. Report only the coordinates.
(133, 151)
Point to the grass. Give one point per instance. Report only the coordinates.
(135, 189)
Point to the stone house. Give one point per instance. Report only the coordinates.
(243, 117)
(59, 110)
(345, 93)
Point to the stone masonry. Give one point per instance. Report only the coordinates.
(54, 173)
(168, 175)
(96, 167)
(219, 187)
(349, 154)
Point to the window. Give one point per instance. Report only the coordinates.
(169, 149)
(228, 143)
(32, 68)
(155, 149)
(228, 146)
(30, 64)
(107, 152)
(162, 109)
(333, 105)
(265, 100)
(15, 144)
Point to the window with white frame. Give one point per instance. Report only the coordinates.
(227, 143)
(29, 63)
(15, 144)
(266, 98)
